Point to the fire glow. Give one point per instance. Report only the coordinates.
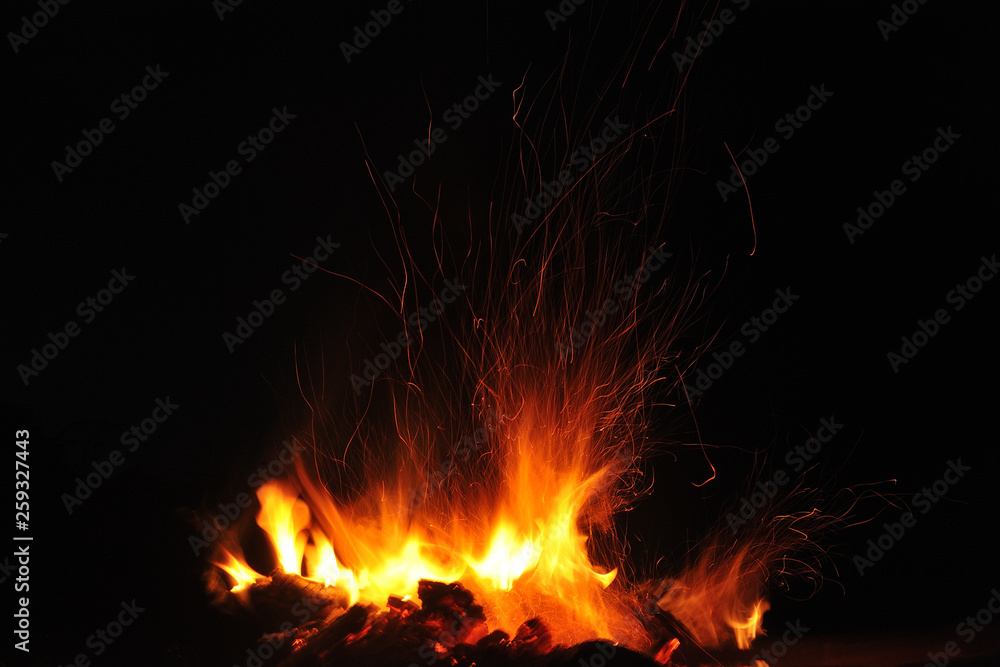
(522, 544)
(527, 524)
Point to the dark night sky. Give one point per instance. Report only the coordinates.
(162, 335)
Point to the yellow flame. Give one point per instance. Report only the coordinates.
(526, 557)
(241, 573)
(283, 517)
(520, 548)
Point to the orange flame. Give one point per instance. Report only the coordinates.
(564, 347)
(719, 598)
(531, 557)
(528, 557)
(515, 524)
(241, 573)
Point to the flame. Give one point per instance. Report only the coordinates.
(564, 347)
(241, 573)
(518, 531)
(530, 556)
(719, 598)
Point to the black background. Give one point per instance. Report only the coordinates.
(163, 335)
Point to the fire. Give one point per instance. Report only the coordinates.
(527, 558)
(719, 599)
(564, 344)
(526, 523)
(241, 573)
